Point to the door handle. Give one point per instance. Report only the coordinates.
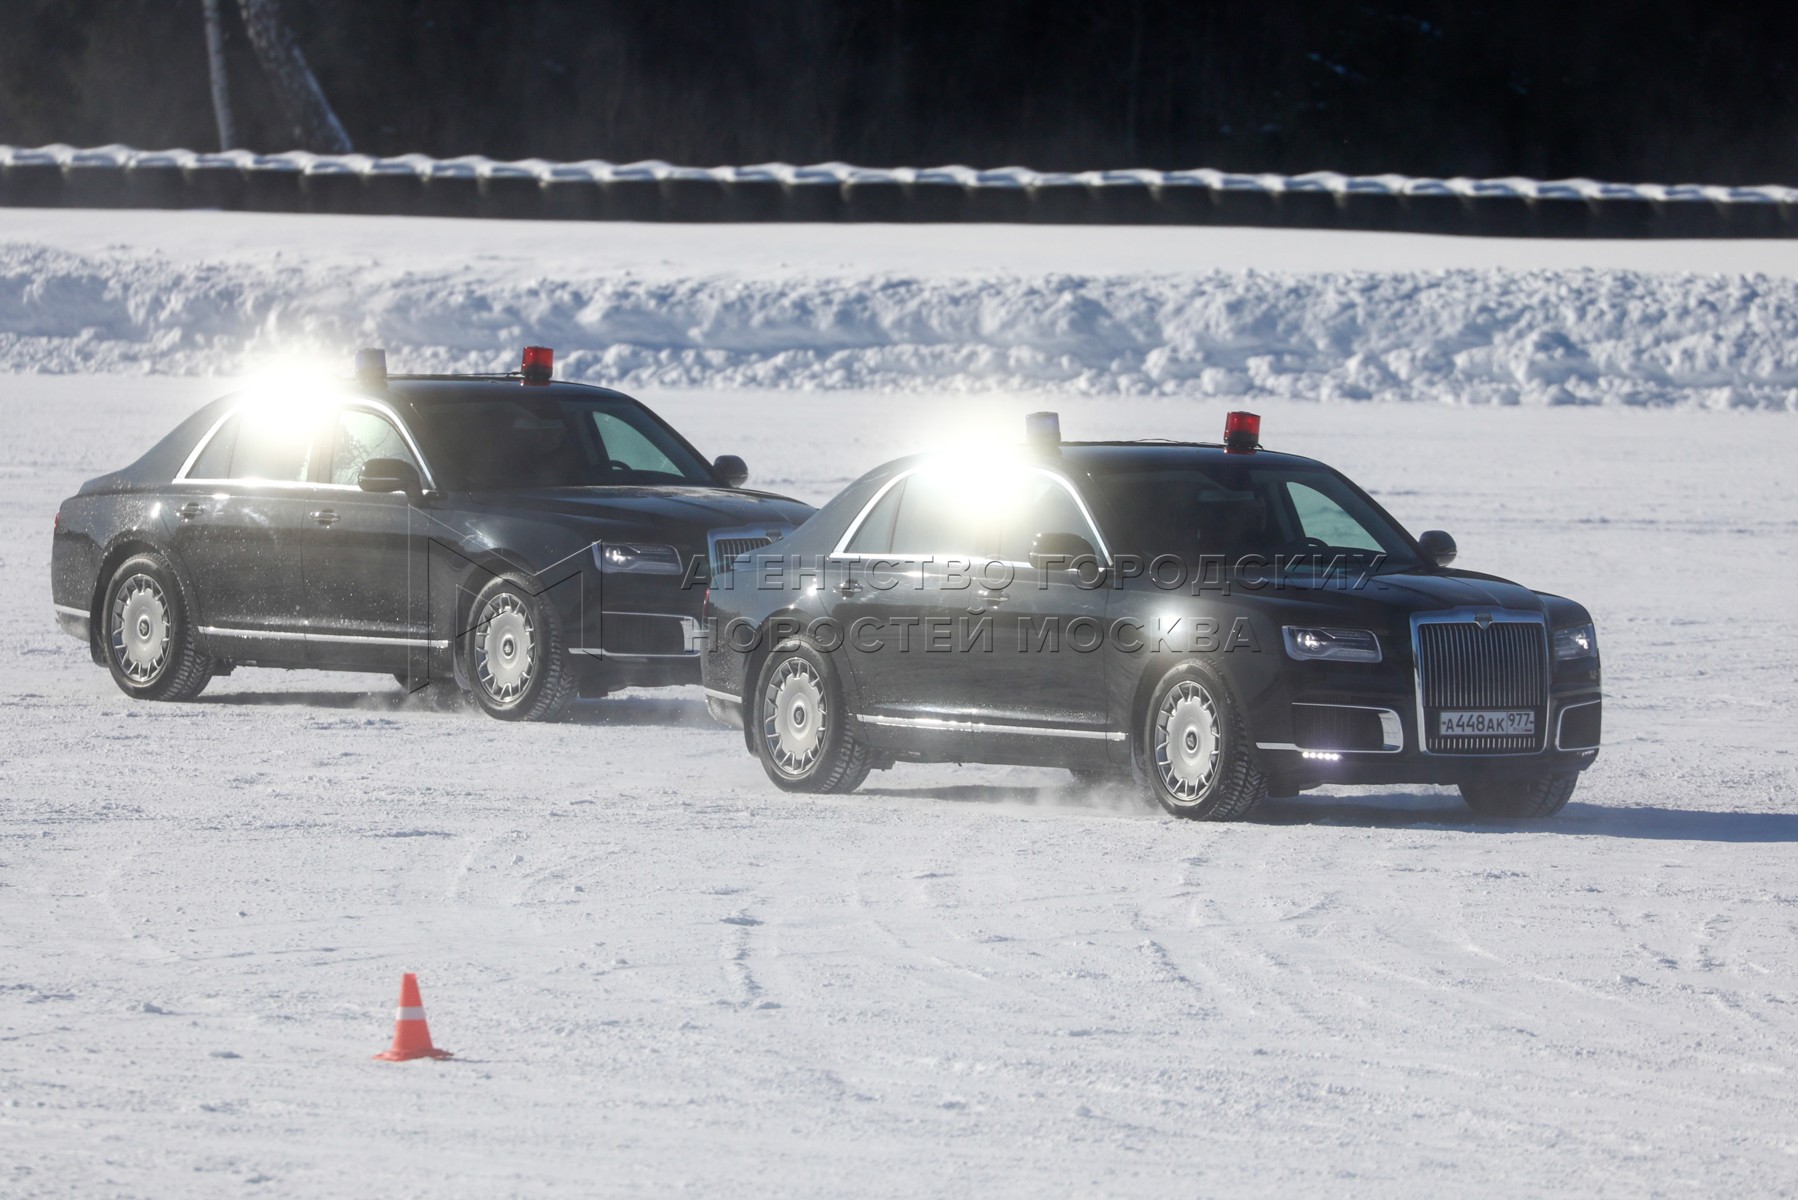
(192, 509)
(848, 587)
(324, 516)
(992, 599)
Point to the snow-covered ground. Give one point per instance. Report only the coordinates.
(662, 976)
(966, 308)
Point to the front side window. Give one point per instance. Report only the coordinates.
(1247, 510)
(1323, 520)
(360, 436)
(489, 442)
(1042, 506)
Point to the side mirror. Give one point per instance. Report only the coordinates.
(733, 470)
(391, 475)
(1062, 552)
(1437, 546)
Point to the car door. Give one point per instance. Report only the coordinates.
(1046, 670)
(234, 525)
(900, 588)
(365, 555)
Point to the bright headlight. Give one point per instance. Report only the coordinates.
(638, 558)
(1336, 645)
(1576, 641)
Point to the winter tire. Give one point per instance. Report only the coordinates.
(516, 656)
(1200, 762)
(801, 726)
(1540, 796)
(146, 634)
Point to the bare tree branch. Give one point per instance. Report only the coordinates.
(215, 61)
(304, 104)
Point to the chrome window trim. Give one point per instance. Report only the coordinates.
(290, 635)
(951, 725)
(1561, 718)
(844, 554)
(378, 407)
(1462, 615)
(1392, 734)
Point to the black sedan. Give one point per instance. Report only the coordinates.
(523, 539)
(1218, 621)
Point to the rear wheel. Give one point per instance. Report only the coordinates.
(515, 655)
(149, 640)
(801, 726)
(1538, 796)
(1200, 763)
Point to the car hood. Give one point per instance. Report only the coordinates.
(674, 512)
(1450, 589)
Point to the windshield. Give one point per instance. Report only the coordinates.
(1249, 510)
(488, 442)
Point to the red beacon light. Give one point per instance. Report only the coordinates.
(539, 365)
(1242, 433)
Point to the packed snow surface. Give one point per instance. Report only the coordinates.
(662, 976)
(1084, 311)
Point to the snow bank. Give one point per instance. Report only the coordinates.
(1469, 336)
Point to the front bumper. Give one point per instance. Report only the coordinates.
(1296, 757)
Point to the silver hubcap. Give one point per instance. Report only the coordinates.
(794, 718)
(141, 631)
(505, 648)
(1187, 742)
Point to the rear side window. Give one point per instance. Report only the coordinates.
(215, 460)
(273, 444)
(360, 436)
(875, 534)
(936, 518)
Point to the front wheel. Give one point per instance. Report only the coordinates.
(1537, 796)
(1201, 765)
(515, 655)
(801, 724)
(150, 646)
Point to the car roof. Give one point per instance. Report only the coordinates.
(1105, 457)
(423, 389)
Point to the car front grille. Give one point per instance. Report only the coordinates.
(726, 550)
(1500, 666)
(729, 546)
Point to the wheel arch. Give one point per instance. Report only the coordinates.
(122, 548)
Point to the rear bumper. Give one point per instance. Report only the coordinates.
(74, 622)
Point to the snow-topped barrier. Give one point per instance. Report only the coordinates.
(471, 186)
(1470, 336)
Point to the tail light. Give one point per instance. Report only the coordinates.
(539, 365)
(1242, 433)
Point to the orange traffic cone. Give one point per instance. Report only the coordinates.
(411, 1036)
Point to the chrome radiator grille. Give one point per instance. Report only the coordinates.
(1502, 666)
(726, 550)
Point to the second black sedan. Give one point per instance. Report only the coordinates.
(525, 539)
(1218, 621)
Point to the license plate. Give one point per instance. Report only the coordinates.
(1486, 723)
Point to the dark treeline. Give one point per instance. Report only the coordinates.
(1661, 90)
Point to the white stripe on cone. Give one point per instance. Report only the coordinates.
(408, 1014)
